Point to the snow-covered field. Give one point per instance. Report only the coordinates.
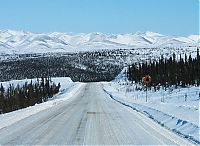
(175, 109)
(68, 90)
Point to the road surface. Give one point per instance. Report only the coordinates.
(89, 118)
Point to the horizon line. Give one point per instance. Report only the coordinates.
(107, 33)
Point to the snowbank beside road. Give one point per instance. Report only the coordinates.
(183, 127)
(68, 89)
(64, 81)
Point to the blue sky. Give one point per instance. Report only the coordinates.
(170, 17)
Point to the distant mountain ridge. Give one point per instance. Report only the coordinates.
(21, 42)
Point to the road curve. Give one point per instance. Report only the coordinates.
(90, 118)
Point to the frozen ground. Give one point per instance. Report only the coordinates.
(91, 117)
(68, 89)
(175, 109)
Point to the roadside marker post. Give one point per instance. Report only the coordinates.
(147, 81)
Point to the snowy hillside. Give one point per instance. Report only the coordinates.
(20, 42)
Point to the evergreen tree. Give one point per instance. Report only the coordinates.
(26, 95)
(168, 72)
(1, 98)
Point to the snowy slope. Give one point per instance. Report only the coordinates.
(21, 42)
(68, 90)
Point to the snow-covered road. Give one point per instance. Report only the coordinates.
(91, 117)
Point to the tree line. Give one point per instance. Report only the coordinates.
(21, 96)
(176, 70)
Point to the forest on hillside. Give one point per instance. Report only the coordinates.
(82, 66)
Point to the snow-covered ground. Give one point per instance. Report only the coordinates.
(175, 109)
(68, 90)
(176, 114)
(90, 118)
